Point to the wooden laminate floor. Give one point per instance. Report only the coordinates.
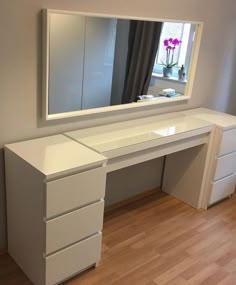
(158, 240)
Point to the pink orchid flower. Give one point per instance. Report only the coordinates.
(170, 46)
(166, 43)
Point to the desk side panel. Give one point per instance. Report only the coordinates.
(184, 173)
(26, 233)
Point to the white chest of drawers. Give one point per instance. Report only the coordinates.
(55, 192)
(222, 167)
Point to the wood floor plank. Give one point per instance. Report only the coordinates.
(158, 240)
(174, 271)
(231, 266)
(215, 278)
(193, 270)
(204, 274)
(229, 280)
(176, 281)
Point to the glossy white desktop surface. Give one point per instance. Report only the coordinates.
(222, 120)
(161, 129)
(55, 155)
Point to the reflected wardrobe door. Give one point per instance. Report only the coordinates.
(99, 60)
(66, 49)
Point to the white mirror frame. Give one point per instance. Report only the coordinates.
(45, 69)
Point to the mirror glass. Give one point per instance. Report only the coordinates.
(94, 62)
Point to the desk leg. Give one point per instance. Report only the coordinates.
(96, 264)
(184, 174)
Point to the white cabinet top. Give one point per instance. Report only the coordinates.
(56, 155)
(222, 120)
(161, 129)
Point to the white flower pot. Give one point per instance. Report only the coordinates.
(167, 71)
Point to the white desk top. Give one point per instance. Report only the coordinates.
(161, 129)
(222, 120)
(56, 155)
(59, 155)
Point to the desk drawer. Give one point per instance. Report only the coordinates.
(70, 261)
(228, 143)
(74, 191)
(222, 188)
(72, 227)
(225, 166)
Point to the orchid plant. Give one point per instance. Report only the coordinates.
(170, 46)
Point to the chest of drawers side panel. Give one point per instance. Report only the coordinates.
(211, 167)
(25, 207)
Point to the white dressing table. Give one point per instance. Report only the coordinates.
(136, 141)
(56, 185)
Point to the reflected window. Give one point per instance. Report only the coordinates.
(185, 33)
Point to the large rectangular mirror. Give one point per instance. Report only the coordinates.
(94, 63)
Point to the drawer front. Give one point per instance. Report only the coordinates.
(225, 165)
(74, 191)
(222, 188)
(228, 143)
(68, 262)
(72, 227)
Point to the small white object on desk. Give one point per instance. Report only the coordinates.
(147, 96)
(168, 91)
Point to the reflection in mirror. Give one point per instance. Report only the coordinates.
(96, 62)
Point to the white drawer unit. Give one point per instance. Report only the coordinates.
(55, 192)
(222, 165)
(228, 143)
(74, 191)
(72, 260)
(222, 188)
(72, 227)
(223, 178)
(225, 166)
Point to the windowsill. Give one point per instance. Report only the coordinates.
(163, 99)
(157, 75)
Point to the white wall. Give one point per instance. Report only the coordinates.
(138, 178)
(20, 61)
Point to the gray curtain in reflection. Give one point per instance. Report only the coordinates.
(143, 44)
